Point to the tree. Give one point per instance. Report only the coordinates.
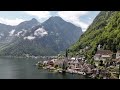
(66, 55)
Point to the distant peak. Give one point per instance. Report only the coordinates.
(33, 19)
(56, 17)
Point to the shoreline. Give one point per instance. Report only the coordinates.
(34, 57)
(66, 71)
(60, 70)
(83, 69)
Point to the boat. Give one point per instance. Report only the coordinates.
(83, 73)
(60, 71)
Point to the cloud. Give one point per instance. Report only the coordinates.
(39, 14)
(89, 18)
(11, 21)
(74, 17)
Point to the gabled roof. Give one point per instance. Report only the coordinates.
(104, 52)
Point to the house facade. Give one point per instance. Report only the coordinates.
(118, 55)
(103, 55)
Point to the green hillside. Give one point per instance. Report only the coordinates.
(104, 30)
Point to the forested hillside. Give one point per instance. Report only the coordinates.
(105, 30)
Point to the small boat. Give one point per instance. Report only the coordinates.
(83, 73)
(60, 71)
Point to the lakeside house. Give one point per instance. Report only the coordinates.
(117, 59)
(55, 63)
(58, 63)
(118, 55)
(45, 62)
(73, 63)
(102, 55)
(50, 63)
(82, 57)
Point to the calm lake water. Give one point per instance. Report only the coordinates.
(13, 68)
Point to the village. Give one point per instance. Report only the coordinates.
(106, 65)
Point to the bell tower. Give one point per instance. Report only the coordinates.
(99, 47)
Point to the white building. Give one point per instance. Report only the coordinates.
(102, 55)
(73, 58)
(118, 55)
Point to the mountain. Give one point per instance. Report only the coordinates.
(105, 30)
(27, 24)
(4, 32)
(48, 38)
(7, 32)
(62, 31)
(10, 34)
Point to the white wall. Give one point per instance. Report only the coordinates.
(117, 55)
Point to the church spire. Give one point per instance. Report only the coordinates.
(99, 47)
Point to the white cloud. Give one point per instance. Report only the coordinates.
(89, 18)
(11, 21)
(40, 32)
(29, 37)
(39, 14)
(11, 32)
(74, 17)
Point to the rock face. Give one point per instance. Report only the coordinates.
(34, 38)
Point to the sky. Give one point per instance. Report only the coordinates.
(79, 18)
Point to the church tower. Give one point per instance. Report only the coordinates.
(98, 48)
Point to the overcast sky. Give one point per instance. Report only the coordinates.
(79, 18)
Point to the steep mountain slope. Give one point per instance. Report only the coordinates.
(27, 24)
(49, 38)
(7, 32)
(61, 32)
(10, 34)
(105, 30)
(4, 32)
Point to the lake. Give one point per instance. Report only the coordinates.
(19, 68)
